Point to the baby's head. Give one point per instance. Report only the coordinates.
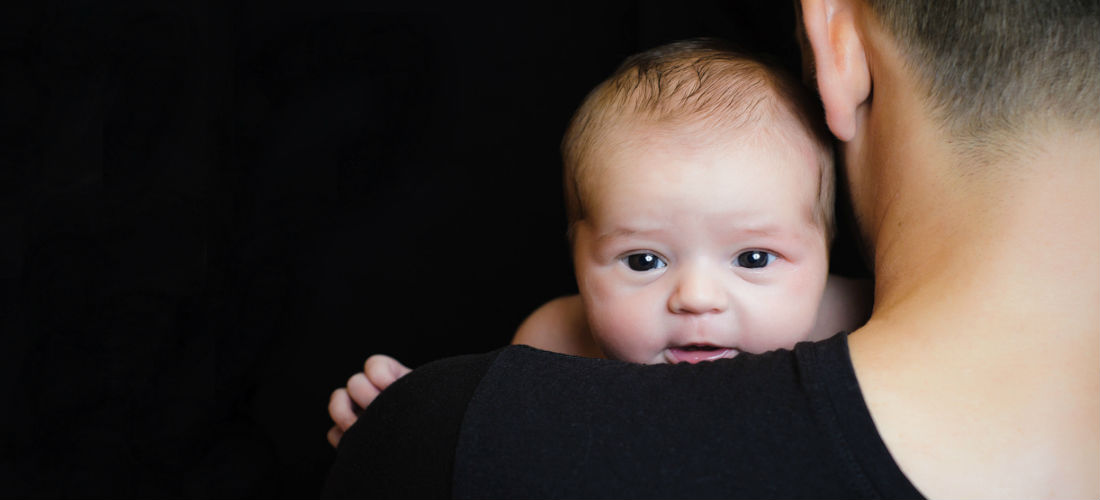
(699, 190)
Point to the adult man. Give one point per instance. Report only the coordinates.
(970, 135)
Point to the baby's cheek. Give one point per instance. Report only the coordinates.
(799, 301)
(781, 324)
(611, 322)
(622, 329)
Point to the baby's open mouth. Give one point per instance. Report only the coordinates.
(695, 353)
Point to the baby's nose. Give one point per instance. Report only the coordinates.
(698, 291)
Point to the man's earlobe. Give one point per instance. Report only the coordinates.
(843, 76)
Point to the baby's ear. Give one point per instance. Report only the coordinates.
(843, 76)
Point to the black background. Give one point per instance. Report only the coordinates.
(214, 211)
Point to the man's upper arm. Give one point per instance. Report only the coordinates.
(403, 445)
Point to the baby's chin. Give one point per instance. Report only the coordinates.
(697, 353)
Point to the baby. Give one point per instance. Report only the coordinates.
(699, 189)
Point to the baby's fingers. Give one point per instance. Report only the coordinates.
(334, 435)
(342, 409)
(361, 390)
(383, 370)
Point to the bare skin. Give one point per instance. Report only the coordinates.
(979, 363)
(559, 325)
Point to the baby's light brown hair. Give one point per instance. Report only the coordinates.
(699, 81)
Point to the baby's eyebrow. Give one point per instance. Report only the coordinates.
(765, 230)
(775, 232)
(624, 232)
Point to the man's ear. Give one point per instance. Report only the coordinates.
(843, 76)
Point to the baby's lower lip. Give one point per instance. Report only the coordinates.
(695, 354)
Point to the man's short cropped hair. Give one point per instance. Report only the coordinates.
(991, 67)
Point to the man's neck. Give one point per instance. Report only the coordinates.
(989, 323)
(1026, 253)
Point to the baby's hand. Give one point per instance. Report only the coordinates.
(379, 371)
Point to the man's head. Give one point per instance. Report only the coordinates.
(933, 100)
(699, 186)
(991, 69)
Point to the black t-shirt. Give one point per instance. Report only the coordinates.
(523, 423)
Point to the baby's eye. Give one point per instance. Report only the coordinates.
(644, 261)
(754, 259)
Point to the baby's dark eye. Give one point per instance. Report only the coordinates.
(754, 259)
(644, 261)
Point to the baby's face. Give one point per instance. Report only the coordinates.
(694, 250)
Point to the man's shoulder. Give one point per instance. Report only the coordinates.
(787, 423)
(403, 444)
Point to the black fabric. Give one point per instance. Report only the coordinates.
(403, 444)
(784, 424)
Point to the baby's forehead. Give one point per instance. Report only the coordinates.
(702, 129)
(651, 166)
(627, 137)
